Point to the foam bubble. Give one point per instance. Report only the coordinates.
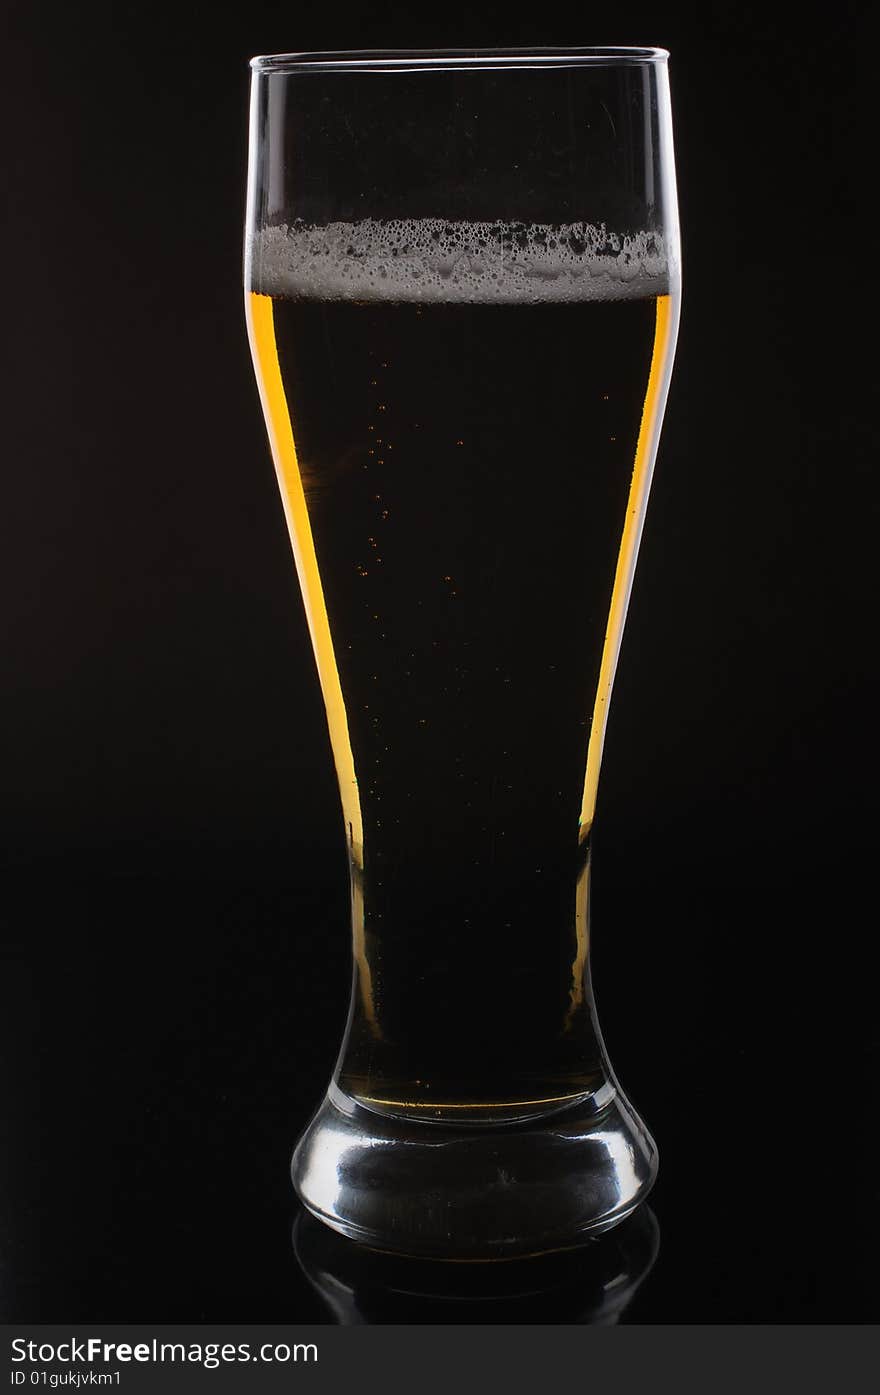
(432, 260)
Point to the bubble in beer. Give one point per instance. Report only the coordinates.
(432, 260)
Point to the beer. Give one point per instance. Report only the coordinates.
(463, 419)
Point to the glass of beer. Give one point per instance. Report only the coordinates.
(462, 280)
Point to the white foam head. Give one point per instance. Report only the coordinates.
(433, 261)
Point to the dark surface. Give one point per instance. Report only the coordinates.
(167, 1041)
(175, 960)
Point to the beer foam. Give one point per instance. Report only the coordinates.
(432, 260)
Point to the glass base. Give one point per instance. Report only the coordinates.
(475, 1193)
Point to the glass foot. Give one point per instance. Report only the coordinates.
(470, 1193)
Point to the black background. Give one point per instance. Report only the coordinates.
(175, 953)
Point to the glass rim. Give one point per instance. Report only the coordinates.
(452, 59)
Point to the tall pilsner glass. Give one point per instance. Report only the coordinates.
(462, 277)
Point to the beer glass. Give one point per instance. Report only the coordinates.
(462, 291)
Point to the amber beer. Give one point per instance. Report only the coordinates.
(462, 419)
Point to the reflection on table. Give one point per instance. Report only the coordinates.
(593, 1284)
